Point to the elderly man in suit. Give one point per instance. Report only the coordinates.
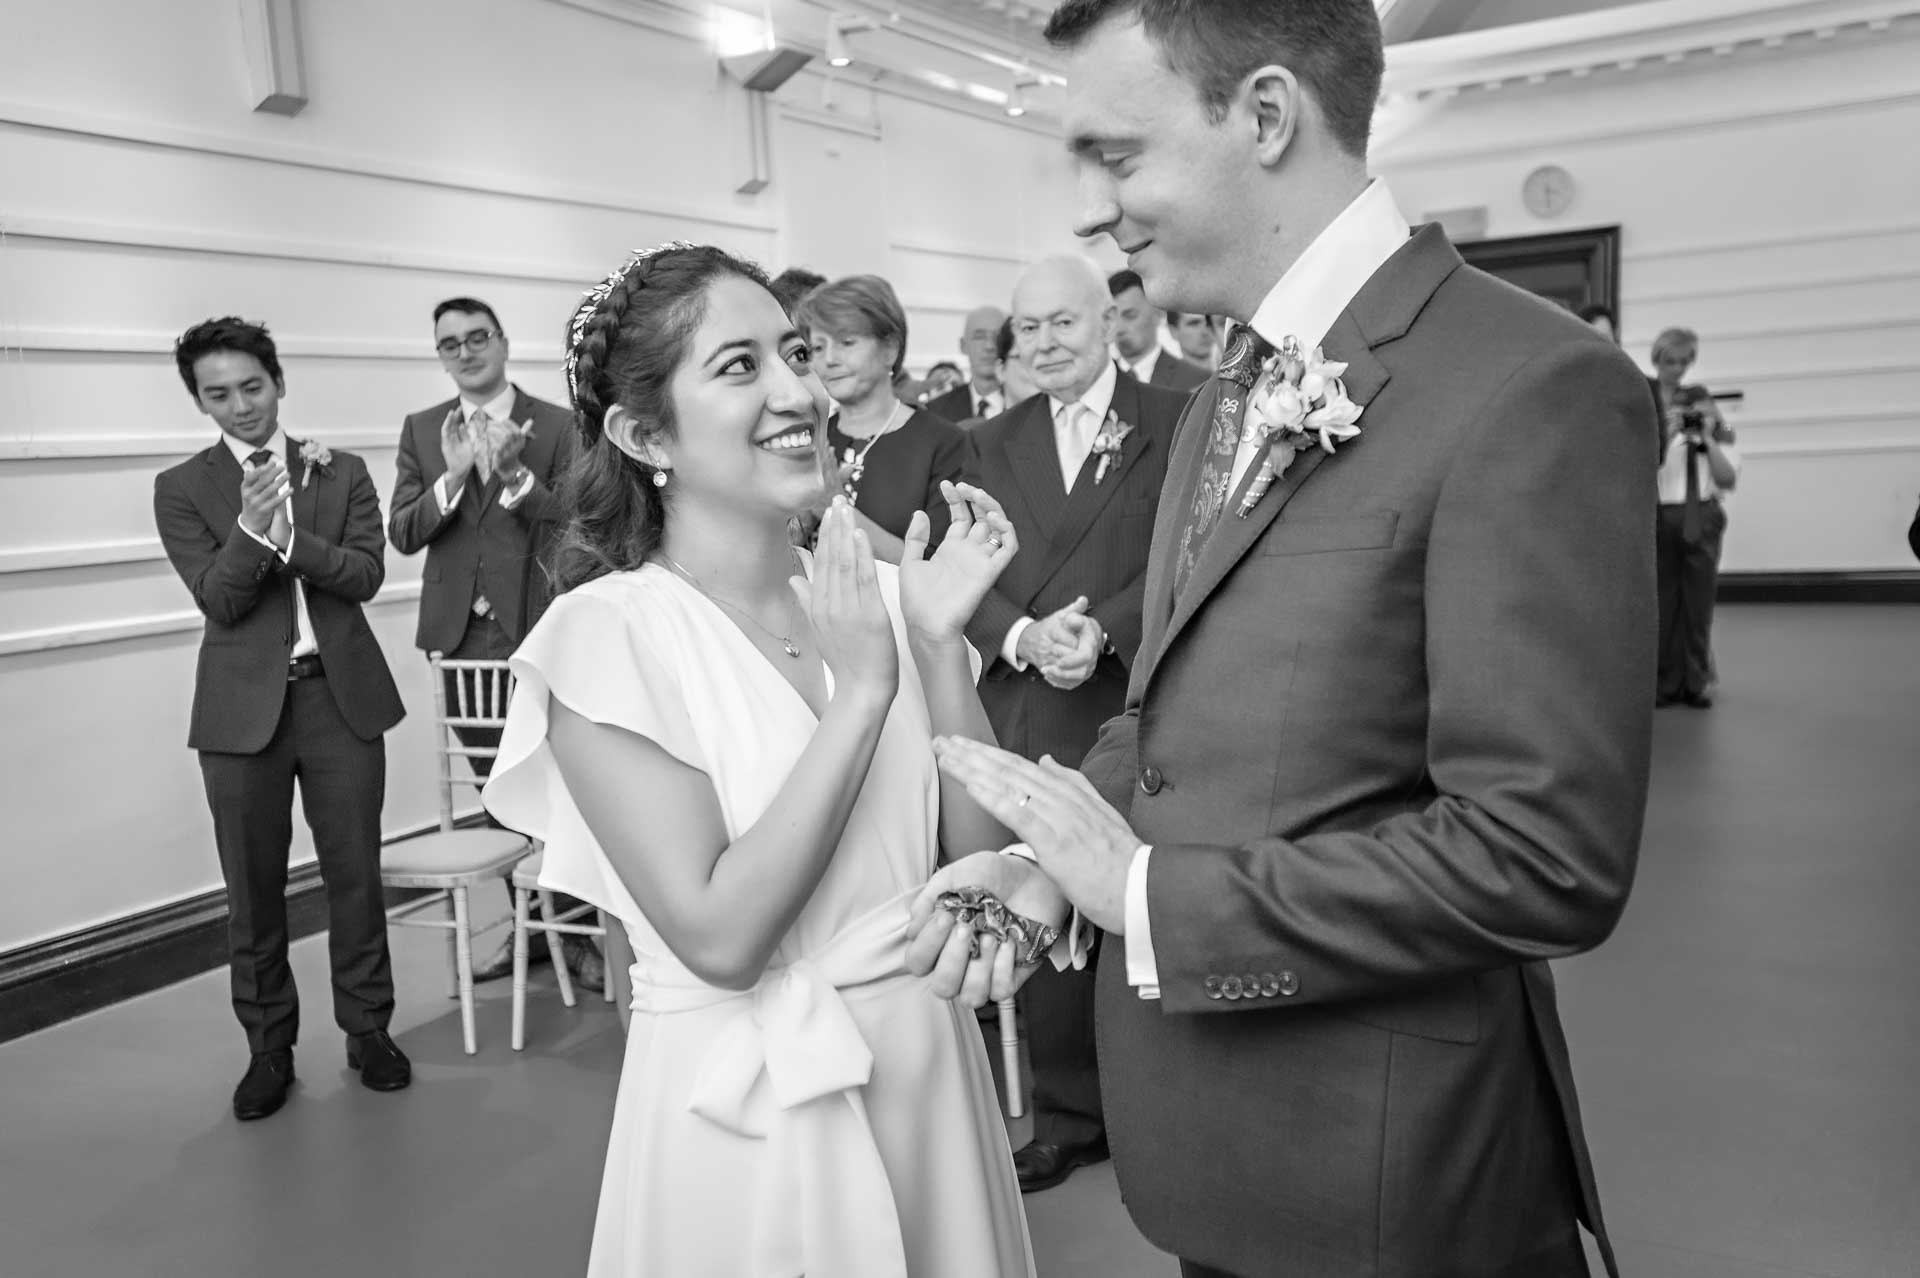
(982, 396)
(1136, 339)
(1078, 469)
(474, 488)
(1386, 743)
(279, 543)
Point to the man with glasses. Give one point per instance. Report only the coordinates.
(475, 485)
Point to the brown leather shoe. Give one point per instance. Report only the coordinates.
(500, 963)
(1041, 1166)
(264, 1089)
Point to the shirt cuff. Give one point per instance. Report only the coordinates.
(511, 497)
(1075, 942)
(447, 500)
(1143, 973)
(284, 556)
(1010, 648)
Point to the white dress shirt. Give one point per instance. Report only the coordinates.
(990, 404)
(499, 409)
(1142, 368)
(304, 644)
(1671, 479)
(1320, 284)
(1074, 427)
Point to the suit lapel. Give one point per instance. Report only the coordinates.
(223, 477)
(1035, 463)
(1176, 501)
(1382, 313)
(1089, 499)
(306, 488)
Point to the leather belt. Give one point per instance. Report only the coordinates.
(305, 668)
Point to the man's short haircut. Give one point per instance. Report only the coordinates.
(1122, 280)
(1333, 47)
(228, 333)
(467, 306)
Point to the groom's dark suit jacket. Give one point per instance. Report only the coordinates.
(246, 595)
(1092, 541)
(1390, 746)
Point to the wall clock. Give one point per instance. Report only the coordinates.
(1548, 191)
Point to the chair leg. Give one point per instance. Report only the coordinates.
(453, 949)
(606, 955)
(1010, 1059)
(556, 949)
(520, 896)
(463, 956)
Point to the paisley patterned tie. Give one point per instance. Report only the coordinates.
(1247, 353)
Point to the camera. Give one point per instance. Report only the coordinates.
(1688, 400)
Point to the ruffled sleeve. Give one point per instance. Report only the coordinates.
(593, 652)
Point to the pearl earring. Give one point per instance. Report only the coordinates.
(659, 479)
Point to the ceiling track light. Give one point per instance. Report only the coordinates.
(839, 27)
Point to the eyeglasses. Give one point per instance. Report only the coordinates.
(475, 342)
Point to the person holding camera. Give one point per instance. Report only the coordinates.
(1698, 463)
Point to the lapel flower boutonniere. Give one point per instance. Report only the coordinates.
(1107, 444)
(314, 456)
(1301, 403)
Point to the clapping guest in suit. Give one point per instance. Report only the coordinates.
(1078, 470)
(1197, 336)
(474, 488)
(279, 543)
(1698, 463)
(794, 283)
(1386, 744)
(1136, 339)
(892, 456)
(982, 396)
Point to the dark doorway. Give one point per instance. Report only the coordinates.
(1573, 268)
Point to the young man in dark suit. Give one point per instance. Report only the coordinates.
(1136, 339)
(981, 397)
(475, 488)
(1078, 469)
(1387, 737)
(279, 543)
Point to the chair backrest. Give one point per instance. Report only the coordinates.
(466, 695)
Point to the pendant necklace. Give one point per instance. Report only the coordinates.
(787, 645)
(857, 462)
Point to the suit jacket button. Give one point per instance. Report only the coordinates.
(1269, 984)
(1213, 987)
(1289, 984)
(1232, 987)
(1151, 780)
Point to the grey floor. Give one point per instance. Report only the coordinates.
(1747, 1044)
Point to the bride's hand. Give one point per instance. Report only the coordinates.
(939, 949)
(844, 606)
(940, 594)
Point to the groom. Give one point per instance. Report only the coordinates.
(1385, 749)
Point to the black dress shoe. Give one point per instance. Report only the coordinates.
(265, 1087)
(383, 1066)
(1043, 1166)
(1698, 700)
(500, 963)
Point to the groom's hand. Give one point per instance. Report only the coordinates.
(1083, 844)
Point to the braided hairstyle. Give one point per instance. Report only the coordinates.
(625, 342)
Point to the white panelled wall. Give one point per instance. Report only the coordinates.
(514, 151)
(1769, 200)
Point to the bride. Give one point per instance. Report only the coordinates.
(726, 744)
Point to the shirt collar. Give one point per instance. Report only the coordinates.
(1142, 368)
(1098, 397)
(499, 408)
(1336, 266)
(241, 450)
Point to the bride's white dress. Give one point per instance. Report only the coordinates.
(837, 1120)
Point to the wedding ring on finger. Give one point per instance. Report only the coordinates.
(995, 542)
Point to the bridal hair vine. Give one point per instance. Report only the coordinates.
(595, 297)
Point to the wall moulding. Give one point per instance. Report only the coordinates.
(515, 187)
(174, 444)
(974, 253)
(92, 633)
(172, 239)
(1630, 38)
(1784, 239)
(98, 554)
(136, 342)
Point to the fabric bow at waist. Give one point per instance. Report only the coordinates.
(788, 1069)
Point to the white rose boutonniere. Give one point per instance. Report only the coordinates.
(1107, 444)
(314, 456)
(1299, 403)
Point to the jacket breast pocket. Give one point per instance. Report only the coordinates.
(1318, 535)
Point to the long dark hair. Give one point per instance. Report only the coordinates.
(625, 343)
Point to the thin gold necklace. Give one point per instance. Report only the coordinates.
(785, 641)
